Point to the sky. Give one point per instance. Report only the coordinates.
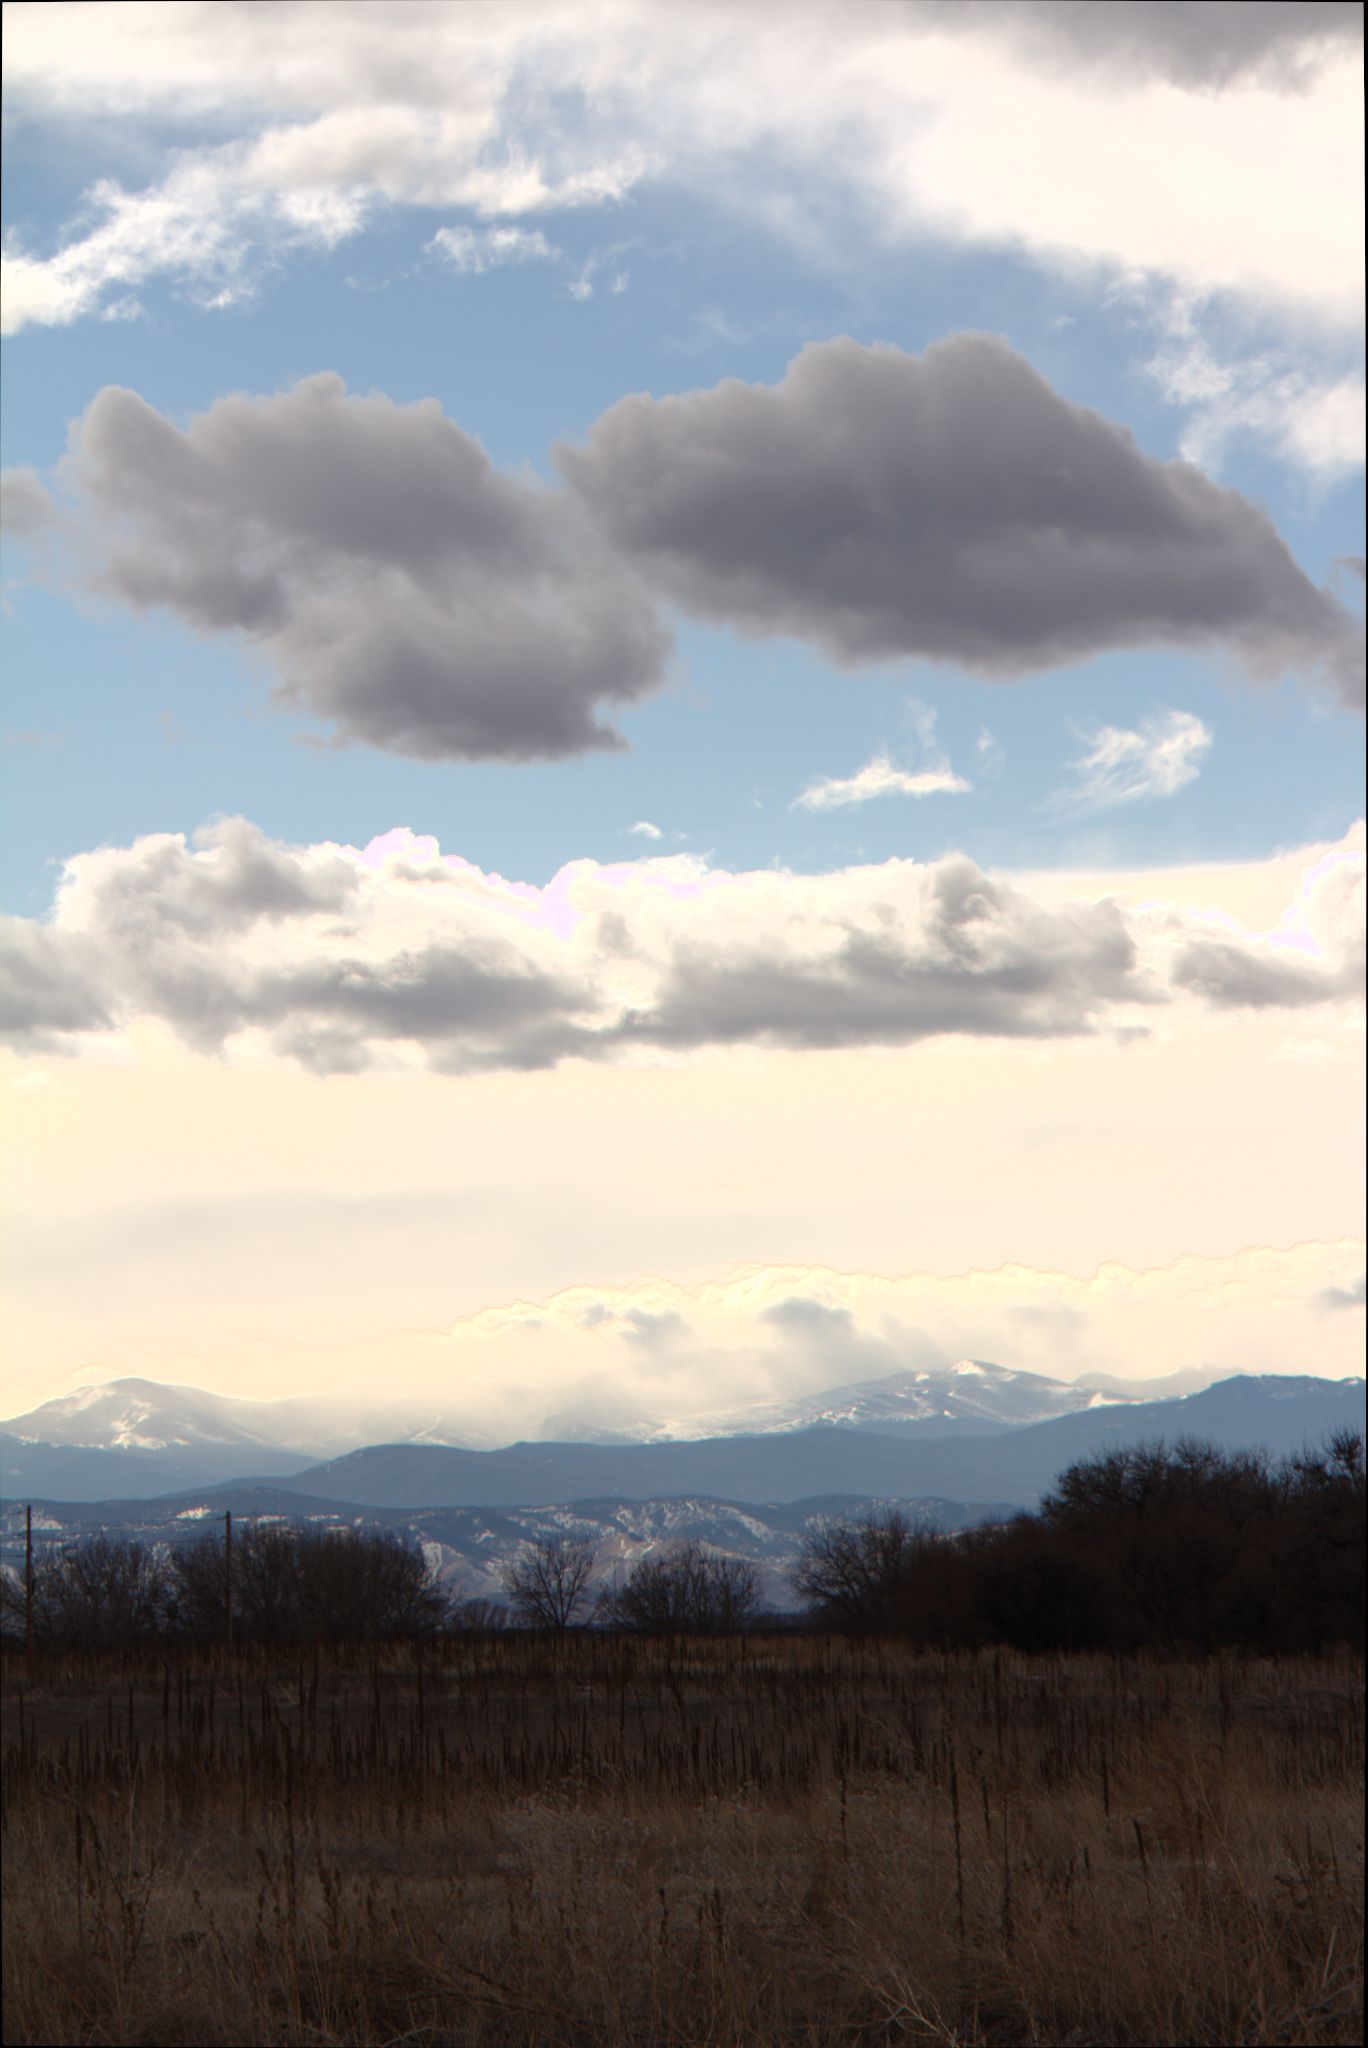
(683, 697)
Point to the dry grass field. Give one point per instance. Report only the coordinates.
(507, 1841)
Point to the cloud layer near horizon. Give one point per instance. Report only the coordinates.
(950, 506)
(668, 1352)
(689, 1359)
(339, 959)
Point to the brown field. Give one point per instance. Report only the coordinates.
(507, 1841)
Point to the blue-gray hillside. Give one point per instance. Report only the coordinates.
(469, 1548)
(1276, 1413)
(73, 1472)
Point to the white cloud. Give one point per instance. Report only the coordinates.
(878, 778)
(943, 120)
(1325, 427)
(644, 829)
(199, 225)
(1123, 767)
(1305, 407)
(474, 250)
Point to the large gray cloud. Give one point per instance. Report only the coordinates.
(396, 581)
(26, 506)
(340, 959)
(950, 505)
(1203, 43)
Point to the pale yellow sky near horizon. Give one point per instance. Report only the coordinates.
(259, 1230)
(252, 1227)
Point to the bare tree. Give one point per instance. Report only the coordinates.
(362, 1583)
(688, 1591)
(850, 1572)
(334, 1584)
(98, 1592)
(547, 1583)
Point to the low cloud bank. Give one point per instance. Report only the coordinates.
(683, 1360)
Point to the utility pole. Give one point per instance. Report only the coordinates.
(28, 1583)
(228, 1577)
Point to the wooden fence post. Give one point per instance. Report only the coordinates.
(228, 1577)
(28, 1583)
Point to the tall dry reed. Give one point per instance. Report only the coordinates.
(508, 1841)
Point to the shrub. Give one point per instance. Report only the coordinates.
(686, 1592)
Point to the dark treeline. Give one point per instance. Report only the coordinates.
(1188, 1547)
(287, 1583)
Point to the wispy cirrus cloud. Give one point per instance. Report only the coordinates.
(992, 756)
(472, 251)
(1121, 766)
(880, 777)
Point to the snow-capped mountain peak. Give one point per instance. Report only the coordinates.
(970, 1396)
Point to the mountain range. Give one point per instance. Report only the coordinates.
(195, 1436)
(975, 1432)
